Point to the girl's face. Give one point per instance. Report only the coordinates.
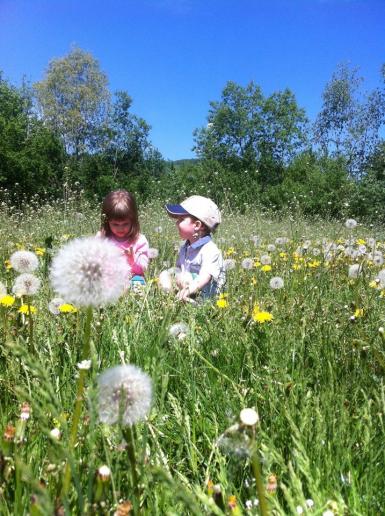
(188, 227)
(120, 228)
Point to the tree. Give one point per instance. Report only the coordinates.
(31, 157)
(74, 101)
(245, 128)
(349, 122)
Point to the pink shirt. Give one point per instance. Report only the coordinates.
(136, 253)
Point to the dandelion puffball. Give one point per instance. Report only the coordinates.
(125, 392)
(229, 264)
(89, 272)
(249, 417)
(247, 263)
(179, 330)
(26, 285)
(24, 261)
(351, 223)
(355, 270)
(3, 290)
(276, 283)
(153, 253)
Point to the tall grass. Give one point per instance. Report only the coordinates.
(314, 374)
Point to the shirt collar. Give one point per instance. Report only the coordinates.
(200, 242)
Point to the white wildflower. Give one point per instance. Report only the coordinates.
(276, 283)
(165, 281)
(24, 261)
(247, 263)
(89, 272)
(249, 417)
(229, 264)
(309, 503)
(351, 223)
(104, 473)
(271, 248)
(355, 270)
(153, 253)
(26, 285)
(54, 304)
(265, 259)
(3, 289)
(299, 509)
(381, 278)
(378, 259)
(84, 365)
(124, 391)
(179, 330)
(55, 433)
(281, 241)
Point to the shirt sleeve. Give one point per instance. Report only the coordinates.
(212, 264)
(140, 259)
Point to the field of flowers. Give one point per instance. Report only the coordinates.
(297, 337)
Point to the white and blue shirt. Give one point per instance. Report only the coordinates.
(203, 256)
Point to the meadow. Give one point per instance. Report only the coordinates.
(306, 351)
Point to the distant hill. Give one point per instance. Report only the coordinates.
(181, 162)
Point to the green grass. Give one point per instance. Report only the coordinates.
(315, 377)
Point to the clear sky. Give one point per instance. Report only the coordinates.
(174, 56)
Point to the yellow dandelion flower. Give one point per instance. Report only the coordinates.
(374, 284)
(297, 267)
(382, 293)
(7, 300)
(246, 253)
(222, 303)
(67, 308)
(7, 264)
(223, 295)
(314, 264)
(232, 502)
(210, 487)
(253, 281)
(20, 247)
(266, 268)
(360, 241)
(262, 317)
(341, 241)
(40, 251)
(25, 309)
(359, 312)
(257, 263)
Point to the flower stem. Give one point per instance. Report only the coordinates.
(79, 398)
(129, 438)
(255, 464)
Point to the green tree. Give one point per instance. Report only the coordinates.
(349, 123)
(74, 101)
(245, 129)
(31, 156)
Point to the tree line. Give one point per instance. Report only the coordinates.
(254, 149)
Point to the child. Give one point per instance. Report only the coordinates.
(196, 218)
(120, 225)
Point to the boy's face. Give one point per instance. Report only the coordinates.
(188, 227)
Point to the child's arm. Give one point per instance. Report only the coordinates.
(202, 280)
(140, 259)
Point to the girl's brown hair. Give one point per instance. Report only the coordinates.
(120, 205)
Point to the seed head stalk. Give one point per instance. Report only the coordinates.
(128, 435)
(79, 398)
(256, 467)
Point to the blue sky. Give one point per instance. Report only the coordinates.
(174, 56)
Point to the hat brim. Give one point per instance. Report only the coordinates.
(175, 210)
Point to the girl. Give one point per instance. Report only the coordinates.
(120, 225)
(196, 218)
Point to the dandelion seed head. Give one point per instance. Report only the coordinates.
(265, 259)
(276, 283)
(355, 270)
(165, 281)
(249, 417)
(179, 330)
(247, 263)
(26, 285)
(271, 248)
(55, 433)
(256, 240)
(381, 278)
(104, 473)
(281, 241)
(53, 305)
(89, 272)
(125, 390)
(24, 261)
(229, 264)
(153, 253)
(351, 223)
(3, 289)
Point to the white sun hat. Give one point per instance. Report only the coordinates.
(200, 207)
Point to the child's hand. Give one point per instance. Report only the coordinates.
(184, 295)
